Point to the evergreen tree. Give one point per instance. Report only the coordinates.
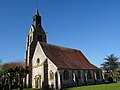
(110, 67)
(111, 63)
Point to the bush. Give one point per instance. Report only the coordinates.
(110, 79)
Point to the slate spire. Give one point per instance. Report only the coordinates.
(37, 12)
(36, 19)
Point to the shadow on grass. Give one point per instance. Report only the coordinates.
(32, 89)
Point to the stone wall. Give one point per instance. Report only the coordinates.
(39, 69)
(76, 77)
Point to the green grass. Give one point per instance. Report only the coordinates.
(27, 89)
(31, 89)
(114, 86)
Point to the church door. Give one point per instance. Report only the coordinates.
(38, 82)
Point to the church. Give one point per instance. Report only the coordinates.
(52, 66)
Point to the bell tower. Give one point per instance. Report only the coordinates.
(35, 34)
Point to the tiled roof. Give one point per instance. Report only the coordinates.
(66, 58)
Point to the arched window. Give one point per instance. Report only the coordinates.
(41, 38)
(89, 76)
(30, 39)
(38, 61)
(66, 74)
(79, 74)
(38, 37)
(98, 75)
(51, 75)
(33, 19)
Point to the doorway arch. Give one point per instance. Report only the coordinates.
(37, 81)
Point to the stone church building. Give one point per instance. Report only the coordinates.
(53, 66)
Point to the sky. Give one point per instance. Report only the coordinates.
(91, 26)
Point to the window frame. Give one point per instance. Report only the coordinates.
(89, 75)
(98, 75)
(38, 60)
(51, 75)
(66, 75)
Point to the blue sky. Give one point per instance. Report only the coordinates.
(92, 26)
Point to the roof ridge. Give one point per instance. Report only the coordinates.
(62, 47)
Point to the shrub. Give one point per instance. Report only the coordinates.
(110, 79)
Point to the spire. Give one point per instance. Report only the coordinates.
(36, 19)
(37, 12)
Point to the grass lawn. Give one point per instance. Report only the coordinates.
(113, 86)
(27, 89)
